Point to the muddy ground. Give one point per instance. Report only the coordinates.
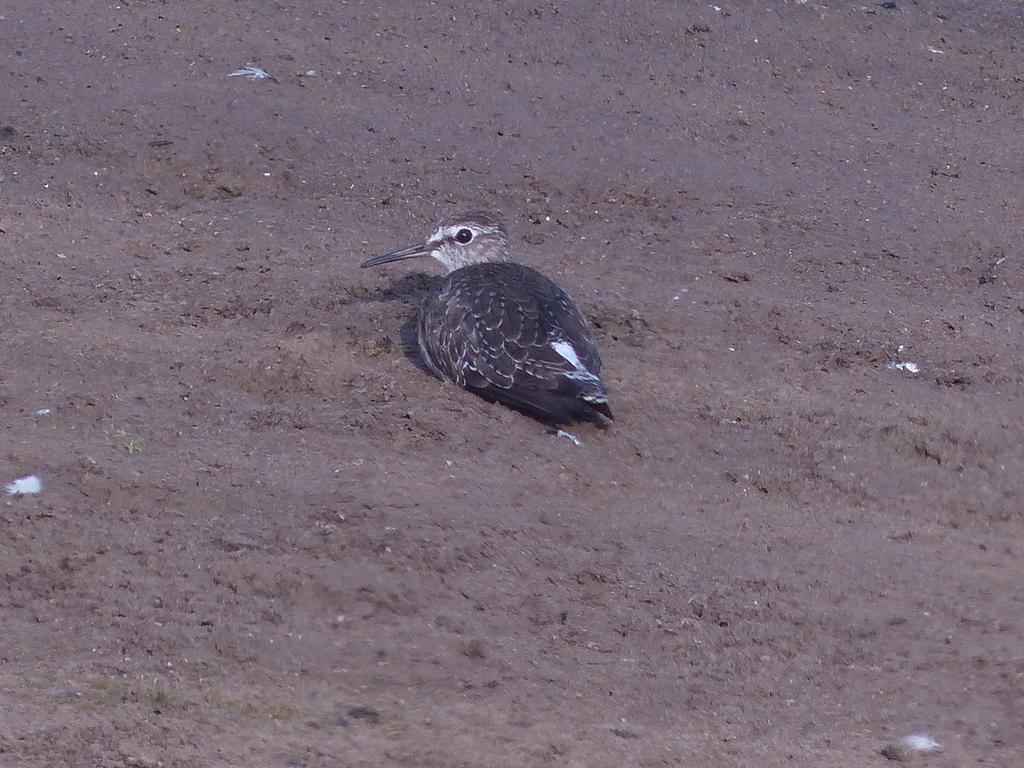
(267, 538)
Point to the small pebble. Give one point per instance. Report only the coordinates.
(62, 694)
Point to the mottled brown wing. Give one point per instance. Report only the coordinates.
(491, 328)
(474, 335)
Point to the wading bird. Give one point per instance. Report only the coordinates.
(503, 330)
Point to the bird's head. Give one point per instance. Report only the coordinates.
(458, 241)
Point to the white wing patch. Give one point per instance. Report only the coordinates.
(566, 351)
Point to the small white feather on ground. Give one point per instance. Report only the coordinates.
(905, 749)
(921, 742)
(569, 436)
(24, 486)
(908, 367)
(251, 72)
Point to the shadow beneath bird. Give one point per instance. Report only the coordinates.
(410, 291)
(409, 339)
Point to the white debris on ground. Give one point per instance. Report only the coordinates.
(252, 72)
(569, 436)
(909, 747)
(24, 486)
(43, 412)
(921, 742)
(908, 367)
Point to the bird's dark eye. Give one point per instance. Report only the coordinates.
(464, 236)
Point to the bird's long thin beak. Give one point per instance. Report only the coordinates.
(413, 252)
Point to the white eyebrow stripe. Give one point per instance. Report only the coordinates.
(443, 233)
(449, 232)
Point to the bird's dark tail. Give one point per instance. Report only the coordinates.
(593, 393)
(573, 400)
(601, 406)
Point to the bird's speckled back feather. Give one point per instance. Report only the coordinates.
(509, 333)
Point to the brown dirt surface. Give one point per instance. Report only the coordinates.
(267, 538)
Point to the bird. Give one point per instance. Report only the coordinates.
(503, 330)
